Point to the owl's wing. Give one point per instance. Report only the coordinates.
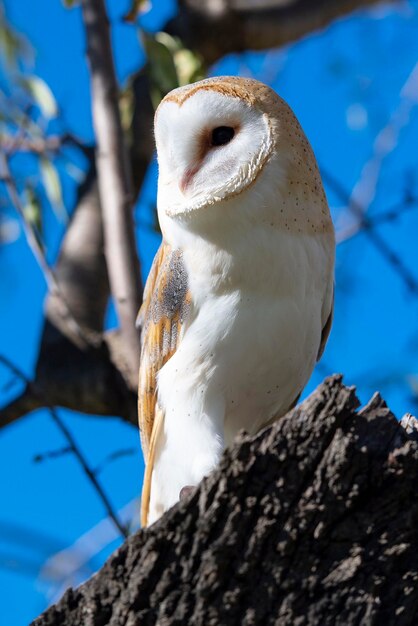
(162, 317)
(327, 326)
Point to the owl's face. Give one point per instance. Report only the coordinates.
(231, 154)
(212, 142)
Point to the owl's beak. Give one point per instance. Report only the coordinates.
(187, 178)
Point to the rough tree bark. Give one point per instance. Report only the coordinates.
(94, 377)
(313, 521)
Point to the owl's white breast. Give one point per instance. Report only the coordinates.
(260, 295)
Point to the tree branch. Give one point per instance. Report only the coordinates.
(91, 377)
(90, 474)
(394, 260)
(217, 28)
(312, 521)
(390, 215)
(25, 403)
(48, 273)
(114, 179)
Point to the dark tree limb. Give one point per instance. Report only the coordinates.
(313, 521)
(215, 28)
(25, 403)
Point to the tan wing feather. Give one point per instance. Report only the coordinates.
(162, 316)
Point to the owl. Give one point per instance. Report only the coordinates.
(238, 303)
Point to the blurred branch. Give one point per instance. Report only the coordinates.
(40, 146)
(90, 378)
(86, 380)
(115, 456)
(52, 454)
(70, 440)
(385, 142)
(70, 565)
(394, 260)
(364, 191)
(215, 28)
(390, 215)
(33, 242)
(25, 403)
(114, 179)
(32, 239)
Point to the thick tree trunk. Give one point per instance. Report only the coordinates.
(313, 521)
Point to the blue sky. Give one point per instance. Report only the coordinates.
(354, 90)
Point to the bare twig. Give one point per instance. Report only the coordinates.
(20, 142)
(380, 244)
(385, 142)
(390, 215)
(71, 442)
(114, 456)
(33, 242)
(34, 145)
(114, 178)
(359, 201)
(52, 454)
(31, 235)
(387, 139)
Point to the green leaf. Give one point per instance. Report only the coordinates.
(170, 64)
(189, 66)
(137, 7)
(32, 211)
(126, 107)
(42, 95)
(12, 44)
(53, 188)
(9, 45)
(162, 69)
(69, 4)
(171, 43)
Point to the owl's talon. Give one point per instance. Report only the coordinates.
(185, 492)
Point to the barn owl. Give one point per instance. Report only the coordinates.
(238, 303)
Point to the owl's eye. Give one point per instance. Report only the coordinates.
(222, 135)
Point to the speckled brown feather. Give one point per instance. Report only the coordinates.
(162, 316)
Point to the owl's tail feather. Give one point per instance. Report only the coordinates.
(146, 488)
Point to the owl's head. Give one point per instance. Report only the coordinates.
(213, 139)
(227, 135)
